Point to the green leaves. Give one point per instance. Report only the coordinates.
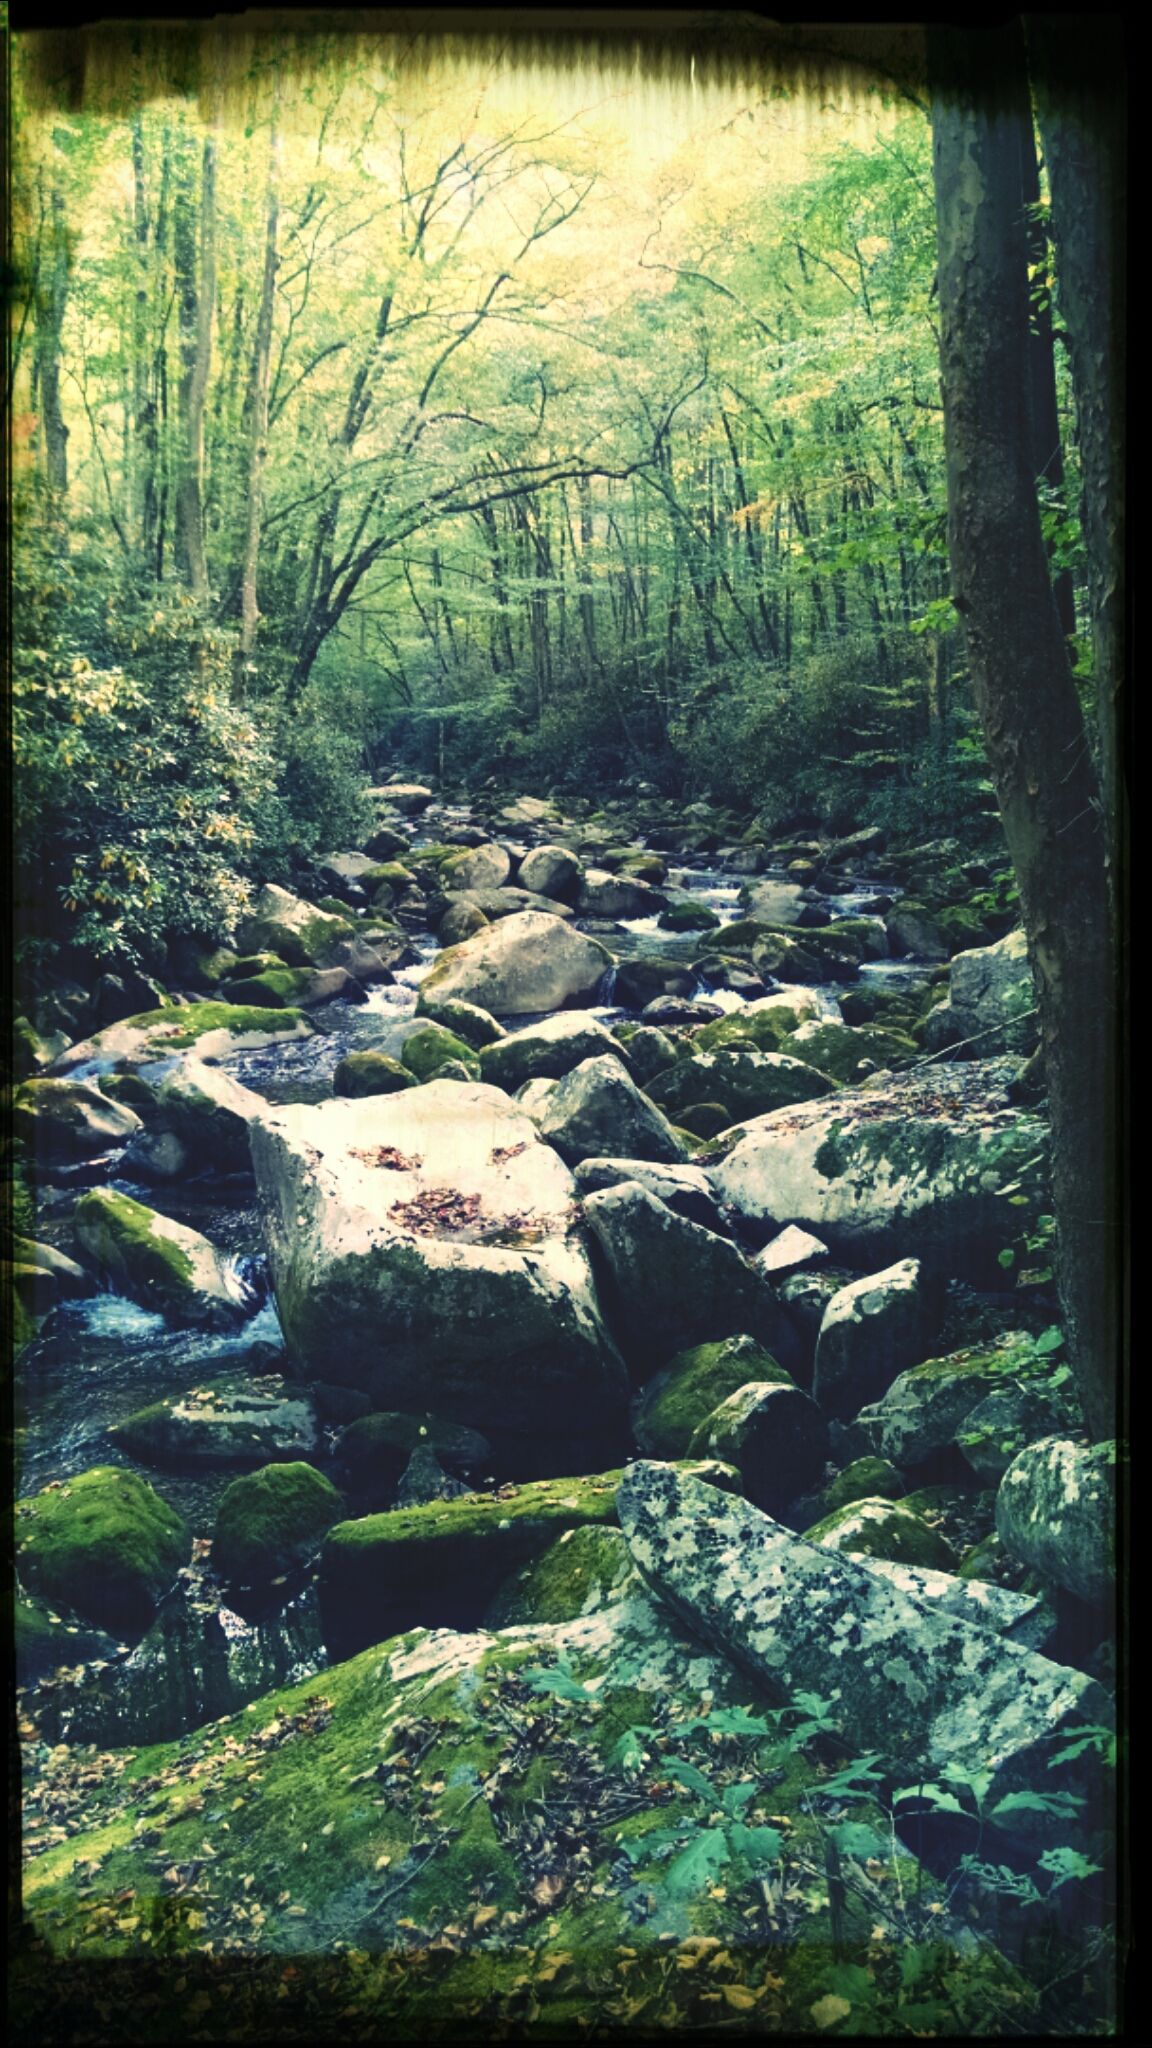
(559, 1681)
(698, 1865)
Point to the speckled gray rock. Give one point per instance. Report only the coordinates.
(209, 1113)
(1007, 1421)
(477, 867)
(746, 1082)
(916, 1169)
(872, 1330)
(774, 1434)
(990, 993)
(676, 1284)
(686, 1189)
(239, 1421)
(426, 1247)
(548, 1050)
(909, 1681)
(1019, 1617)
(597, 1109)
(925, 1409)
(1056, 1512)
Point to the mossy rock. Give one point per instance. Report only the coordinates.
(334, 905)
(763, 1027)
(863, 1479)
(242, 1420)
(276, 988)
(161, 1264)
(44, 1640)
(370, 1073)
(104, 1545)
(429, 1047)
(214, 1028)
(679, 1398)
(372, 1452)
(839, 1049)
(130, 1090)
(388, 874)
(688, 917)
(583, 1571)
(271, 1521)
(881, 1528)
(465, 1021)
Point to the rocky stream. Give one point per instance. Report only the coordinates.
(547, 1470)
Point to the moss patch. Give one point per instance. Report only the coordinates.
(585, 1569)
(880, 1528)
(863, 1479)
(179, 1028)
(105, 1545)
(271, 1520)
(370, 1073)
(681, 1396)
(429, 1046)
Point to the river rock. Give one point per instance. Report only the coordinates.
(618, 896)
(550, 1049)
(386, 842)
(639, 982)
(774, 1435)
(233, 1421)
(551, 871)
(991, 999)
(280, 922)
(1026, 1618)
(597, 1110)
(686, 1189)
(346, 872)
(163, 1265)
(747, 1083)
(842, 1050)
(1018, 1414)
(667, 1412)
(905, 1679)
(104, 1544)
(41, 1276)
(764, 1023)
(474, 1025)
(672, 1012)
(790, 1251)
(210, 1113)
(926, 1408)
(650, 1051)
(585, 1571)
(425, 1247)
(372, 1454)
(271, 1521)
(67, 1120)
(872, 1330)
(429, 1047)
(210, 1030)
(676, 1283)
(487, 866)
(883, 1528)
(370, 1073)
(1056, 1513)
(461, 921)
(408, 798)
(923, 1168)
(523, 964)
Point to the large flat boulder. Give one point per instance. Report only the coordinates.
(524, 964)
(210, 1030)
(676, 1284)
(926, 1167)
(914, 1682)
(743, 1080)
(426, 1247)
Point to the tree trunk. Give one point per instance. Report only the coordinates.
(195, 253)
(258, 407)
(1077, 62)
(51, 303)
(1047, 452)
(1033, 727)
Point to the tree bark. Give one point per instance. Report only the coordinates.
(1034, 730)
(195, 253)
(52, 301)
(258, 407)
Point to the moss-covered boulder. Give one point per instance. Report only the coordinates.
(774, 1435)
(842, 1050)
(271, 1521)
(548, 1050)
(44, 1641)
(475, 1026)
(927, 1167)
(744, 1081)
(429, 1046)
(161, 1264)
(528, 962)
(638, 982)
(370, 1073)
(670, 1408)
(688, 916)
(297, 930)
(274, 988)
(597, 1110)
(584, 1571)
(863, 1479)
(926, 1409)
(104, 1544)
(234, 1420)
(40, 1276)
(212, 1030)
(651, 1051)
(208, 1113)
(477, 867)
(883, 1528)
(991, 1000)
(61, 1121)
(373, 1452)
(764, 1023)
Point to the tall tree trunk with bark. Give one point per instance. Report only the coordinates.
(52, 300)
(195, 253)
(258, 406)
(1034, 731)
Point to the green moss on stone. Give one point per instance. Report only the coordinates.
(105, 1545)
(276, 988)
(182, 1027)
(126, 1242)
(429, 1046)
(880, 1528)
(272, 1520)
(682, 1395)
(863, 1479)
(583, 1570)
(370, 1073)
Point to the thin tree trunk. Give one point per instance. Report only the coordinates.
(1047, 453)
(258, 406)
(1033, 727)
(49, 329)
